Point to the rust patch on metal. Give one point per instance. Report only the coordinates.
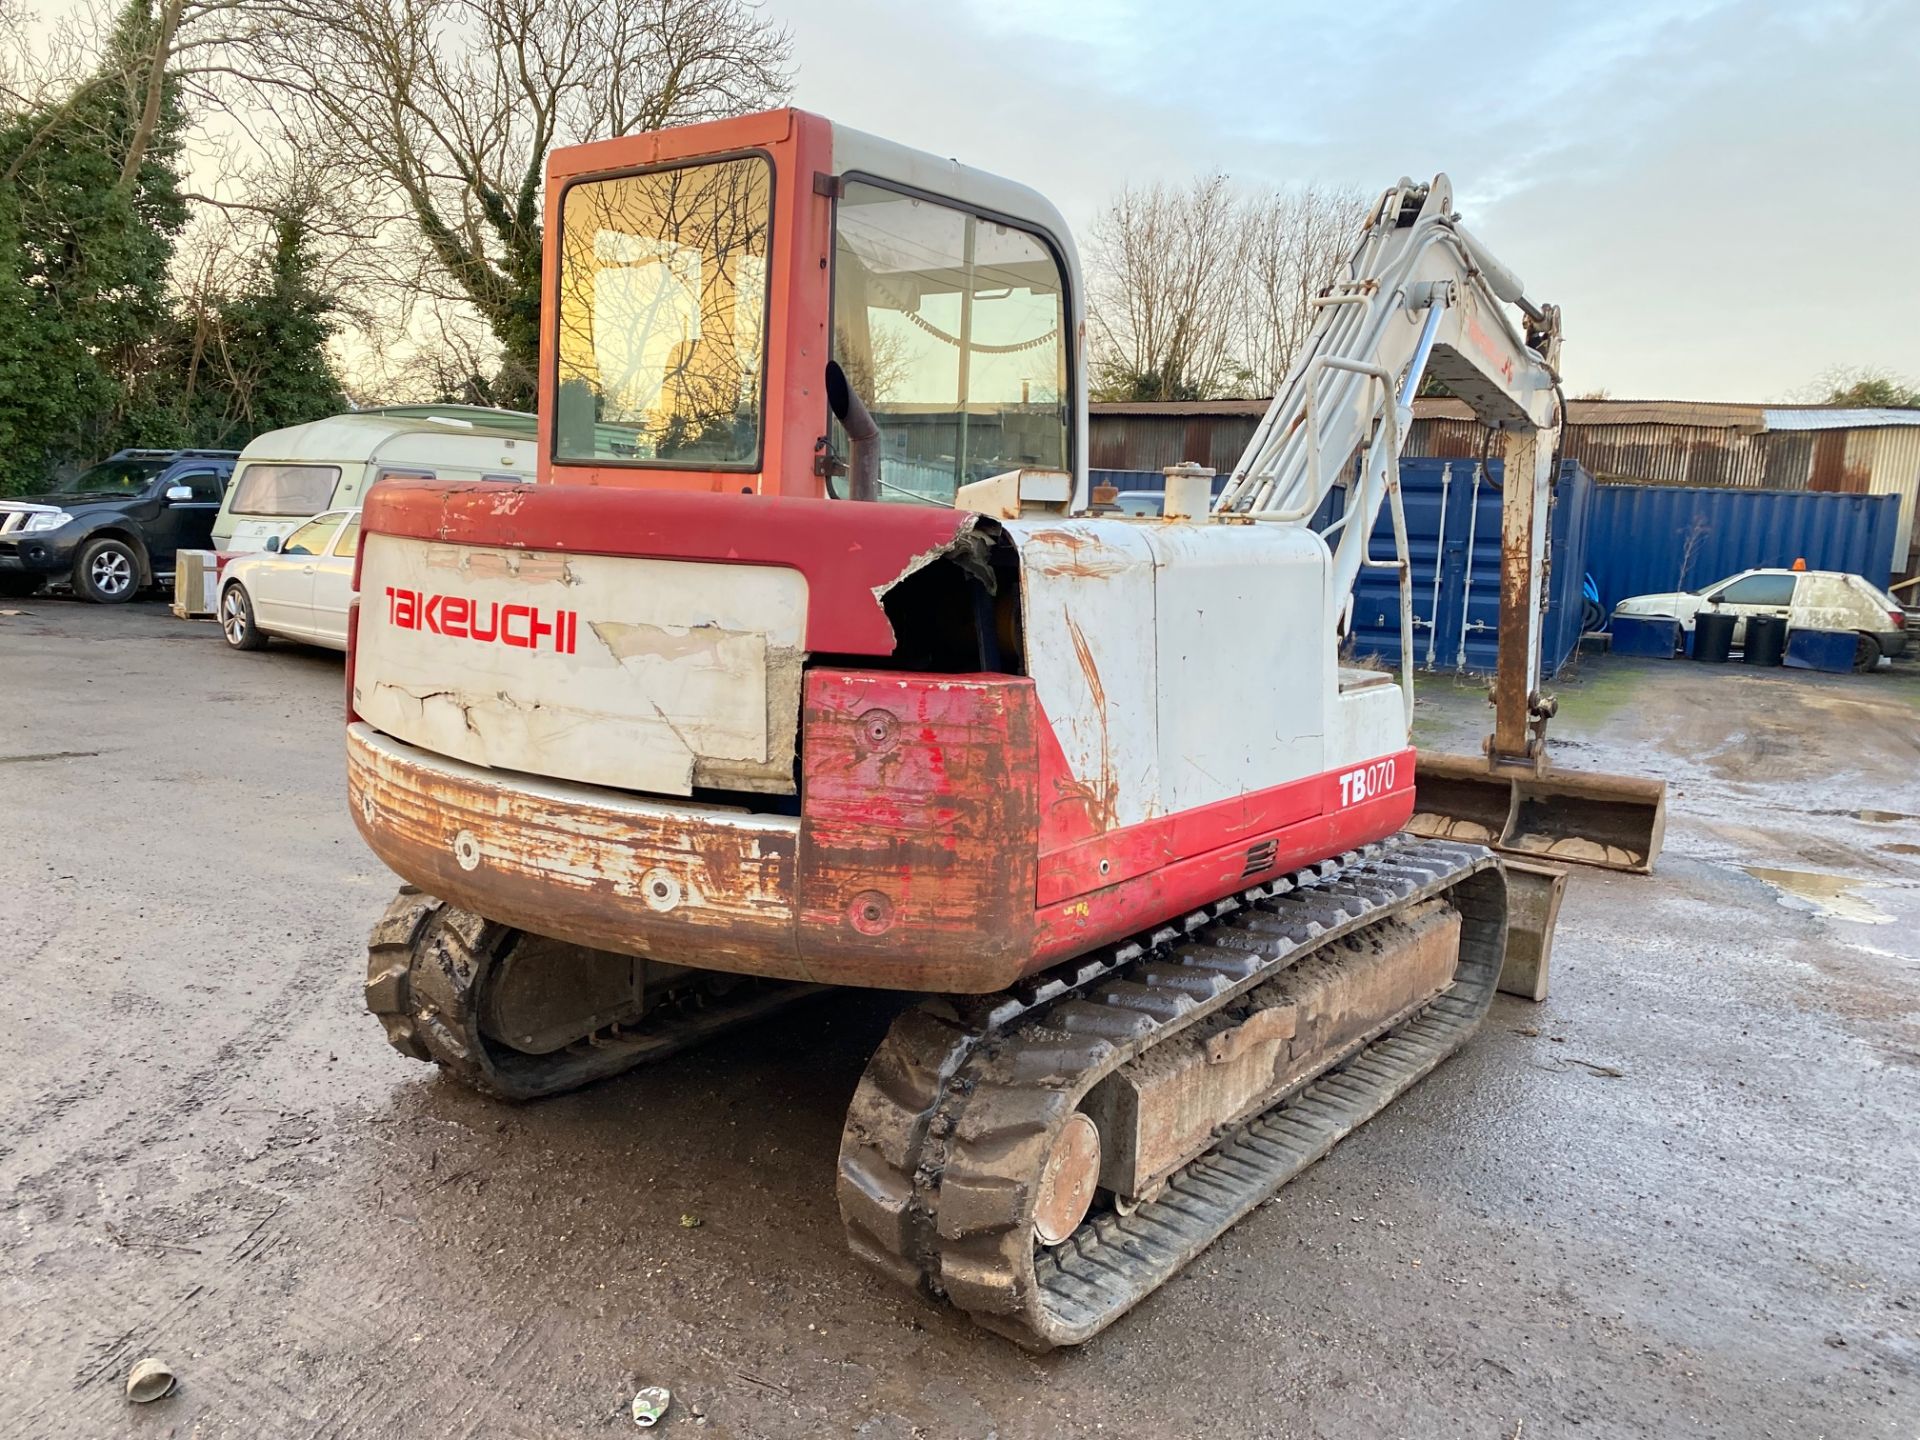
(1067, 1181)
(1103, 797)
(1070, 793)
(1086, 557)
(1831, 471)
(713, 890)
(920, 824)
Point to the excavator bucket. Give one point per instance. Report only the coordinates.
(1615, 822)
(1541, 823)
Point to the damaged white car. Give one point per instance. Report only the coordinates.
(1827, 600)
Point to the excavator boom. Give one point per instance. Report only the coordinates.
(1421, 298)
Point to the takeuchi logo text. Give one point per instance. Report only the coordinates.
(522, 626)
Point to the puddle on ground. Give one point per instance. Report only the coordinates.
(1834, 895)
(1879, 954)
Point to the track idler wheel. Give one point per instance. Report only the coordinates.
(1067, 1180)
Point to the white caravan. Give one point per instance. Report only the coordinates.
(285, 476)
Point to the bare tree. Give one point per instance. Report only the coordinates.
(1296, 242)
(182, 44)
(1165, 263)
(447, 109)
(1198, 291)
(446, 355)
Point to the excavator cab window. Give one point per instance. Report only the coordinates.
(662, 316)
(949, 327)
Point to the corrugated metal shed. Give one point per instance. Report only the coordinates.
(1881, 461)
(1684, 443)
(1699, 414)
(1642, 442)
(1838, 417)
(1154, 435)
(1664, 454)
(1845, 449)
(1646, 539)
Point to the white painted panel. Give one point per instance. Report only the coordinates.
(1087, 601)
(673, 665)
(1246, 659)
(1364, 725)
(448, 451)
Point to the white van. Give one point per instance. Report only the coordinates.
(285, 476)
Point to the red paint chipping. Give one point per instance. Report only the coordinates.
(918, 824)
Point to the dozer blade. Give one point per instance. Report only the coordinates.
(1576, 817)
(1534, 891)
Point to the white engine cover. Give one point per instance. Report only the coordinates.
(1184, 664)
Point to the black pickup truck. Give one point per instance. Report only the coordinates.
(114, 529)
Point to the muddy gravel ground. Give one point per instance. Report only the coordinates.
(1677, 1199)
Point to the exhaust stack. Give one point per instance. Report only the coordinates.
(863, 436)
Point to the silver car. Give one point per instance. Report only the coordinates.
(298, 588)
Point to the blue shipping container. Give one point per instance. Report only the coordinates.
(1647, 539)
(1453, 539)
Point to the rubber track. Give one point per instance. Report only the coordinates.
(957, 1110)
(427, 964)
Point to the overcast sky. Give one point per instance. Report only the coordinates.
(1723, 197)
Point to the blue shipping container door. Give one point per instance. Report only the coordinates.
(1453, 529)
(1569, 528)
(1648, 539)
(1453, 533)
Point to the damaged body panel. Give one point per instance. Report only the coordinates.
(849, 558)
(923, 884)
(695, 885)
(648, 675)
(938, 822)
